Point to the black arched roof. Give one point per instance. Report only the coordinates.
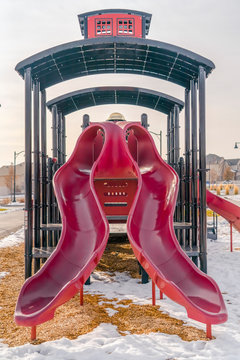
(114, 55)
(81, 99)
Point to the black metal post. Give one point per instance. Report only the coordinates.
(180, 213)
(176, 158)
(59, 138)
(168, 138)
(36, 173)
(63, 139)
(54, 132)
(28, 173)
(44, 165)
(187, 166)
(54, 155)
(60, 162)
(86, 121)
(172, 139)
(202, 170)
(144, 121)
(176, 137)
(49, 200)
(193, 87)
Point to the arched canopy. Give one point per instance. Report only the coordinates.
(78, 100)
(115, 55)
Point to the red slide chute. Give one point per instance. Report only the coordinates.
(106, 151)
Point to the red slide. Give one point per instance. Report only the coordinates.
(103, 153)
(226, 209)
(100, 153)
(84, 236)
(151, 233)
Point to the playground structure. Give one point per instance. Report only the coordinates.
(103, 166)
(227, 210)
(115, 43)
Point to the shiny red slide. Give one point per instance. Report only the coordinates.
(151, 234)
(226, 209)
(84, 236)
(107, 152)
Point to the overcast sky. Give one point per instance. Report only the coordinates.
(210, 28)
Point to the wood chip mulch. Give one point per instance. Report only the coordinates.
(71, 319)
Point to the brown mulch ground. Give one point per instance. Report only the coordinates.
(119, 257)
(71, 319)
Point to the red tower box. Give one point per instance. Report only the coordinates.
(114, 22)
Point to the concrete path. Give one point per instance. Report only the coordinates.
(11, 222)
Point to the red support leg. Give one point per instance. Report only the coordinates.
(161, 295)
(153, 293)
(209, 331)
(33, 333)
(231, 239)
(81, 296)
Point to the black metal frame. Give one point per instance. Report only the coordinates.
(114, 55)
(81, 99)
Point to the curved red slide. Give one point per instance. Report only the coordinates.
(226, 209)
(102, 153)
(84, 236)
(151, 233)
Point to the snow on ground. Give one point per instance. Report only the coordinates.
(13, 239)
(106, 343)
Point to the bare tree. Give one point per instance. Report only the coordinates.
(228, 174)
(213, 176)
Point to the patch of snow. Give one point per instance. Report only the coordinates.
(111, 311)
(2, 274)
(13, 239)
(106, 343)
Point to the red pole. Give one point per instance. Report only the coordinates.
(209, 331)
(231, 239)
(161, 295)
(81, 296)
(33, 333)
(153, 293)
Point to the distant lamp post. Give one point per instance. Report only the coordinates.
(236, 144)
(14, 174)
(159, 135)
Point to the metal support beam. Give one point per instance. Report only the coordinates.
(28, 173)
(187, 166)
(44, 165)
(86, 121)
(193, 87)
(36, 172)
(59, 138)
(181, 195)
(168, 139)
(202, 170)
(50, 200)
(171, 138)
(52, 170)
(176, 137)
(54, 132)
(63, 139)
(144, 121)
